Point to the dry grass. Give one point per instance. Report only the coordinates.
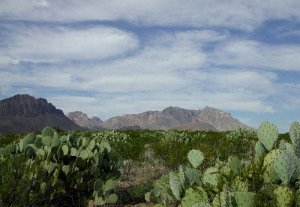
(140, 172)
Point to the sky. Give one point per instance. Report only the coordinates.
(113, 57)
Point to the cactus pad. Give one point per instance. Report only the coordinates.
(267, 134)
(196, 158)
(211, 176)
(284, 196)
(175, 185)
(284, 166)
(193, 176)
(245, 199)
(260, 150)
(193, 197)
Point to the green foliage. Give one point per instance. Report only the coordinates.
(239, 168)
(169, 141)
(9, 139)
(54, 169)
(271, 179)
(138, 191)
(194, 197)
(161, 192)
(245, 199)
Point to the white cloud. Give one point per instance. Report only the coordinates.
(170, 69)
(231, 13)
(6, 60)
(260, 84)
(247, 53)
(40, 44)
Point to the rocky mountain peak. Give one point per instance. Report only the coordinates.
(180, 114)
(26, 106)
(24, 113)
(77, 115)
(210, 111)
(83, 120)
(96, 119)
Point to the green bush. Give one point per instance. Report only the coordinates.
(58, 170)
(137, 192)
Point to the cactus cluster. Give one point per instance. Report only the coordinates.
(176, 136)
(274, 175)
(192, 186)
(68, 163)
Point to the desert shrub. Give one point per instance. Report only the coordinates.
(137, 192)
(54, 170)
(9, 138)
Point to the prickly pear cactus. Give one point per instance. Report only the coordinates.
(193, 197)
(290, 147)
(295, 133)
(202, 205)
(175, 185)
(68, 166)
(48, 132)
(161, 192)
(284, 196)
(181, 176)
(196, 158)
(284, 166)
(193, 176)
(260, 151)
(267, 134)
(270, 176)
(245, 199)
(211, 177)
(235, 164)
(29, 139)
(279, 165)
(295, 137)
(239, 185)
(222, 199)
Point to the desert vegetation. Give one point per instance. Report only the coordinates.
(241, 168)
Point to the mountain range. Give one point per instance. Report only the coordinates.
(24, 113)
(206, 119)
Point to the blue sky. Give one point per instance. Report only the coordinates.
(109, 58)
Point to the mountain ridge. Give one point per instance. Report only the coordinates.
(206, 119)
(23, 113)
(83, 120)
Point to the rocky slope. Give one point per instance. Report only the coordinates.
(83, 120)
(24, 113)
(207, 119)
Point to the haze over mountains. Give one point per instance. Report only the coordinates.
(24, 113)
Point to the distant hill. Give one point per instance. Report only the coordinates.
(83, 120)
(207, 119)
(24, 113)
